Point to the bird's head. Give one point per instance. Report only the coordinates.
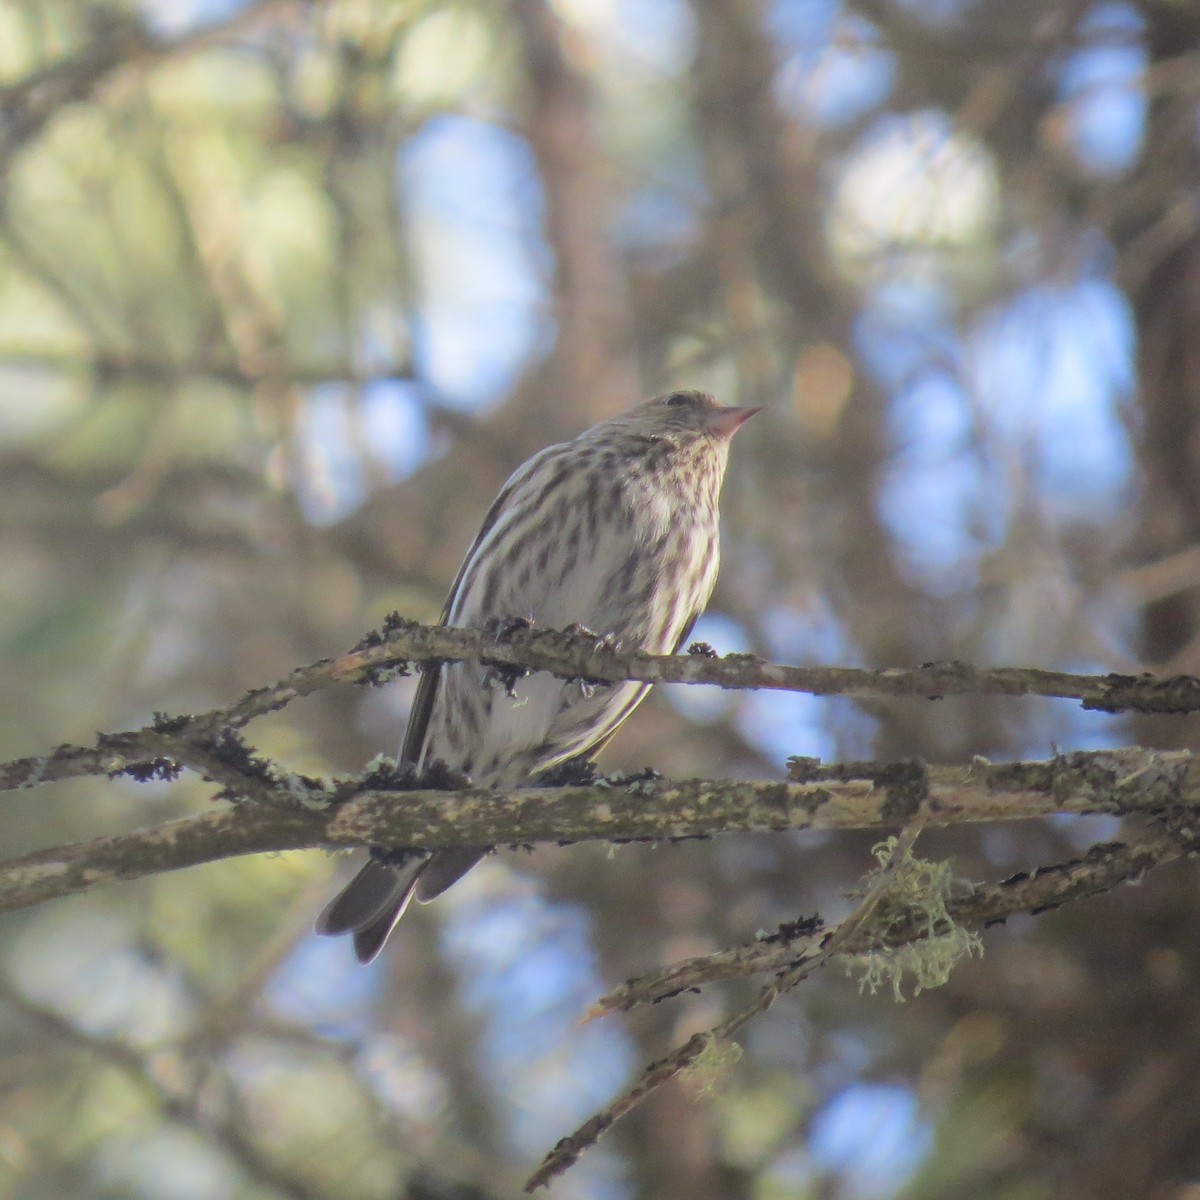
(684, 420)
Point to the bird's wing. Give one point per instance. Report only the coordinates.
(686, 632)
(418, 717)
(622, 714)
(422, 707)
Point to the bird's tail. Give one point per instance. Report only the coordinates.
(375, 899)
(444, 868)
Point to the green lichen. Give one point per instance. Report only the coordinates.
(917, 898)
(707, 1068)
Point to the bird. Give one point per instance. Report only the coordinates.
(616, 532)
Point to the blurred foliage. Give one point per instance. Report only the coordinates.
(288, 288)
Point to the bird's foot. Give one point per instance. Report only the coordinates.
(573, 772)
(502, 628)
(507, 675)
(600, 641)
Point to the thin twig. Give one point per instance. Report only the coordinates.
(835, 942)
(1102, 868)
(797, 954)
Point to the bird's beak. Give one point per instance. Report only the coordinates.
(725, 422)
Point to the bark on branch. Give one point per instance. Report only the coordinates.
(640, 808)
(1104, 866)
(404, 645)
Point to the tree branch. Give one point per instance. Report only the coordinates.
(574, 656)
(639, 808)
(398, 806)
(1104, 867)
(117, 40)
(835, 942)
(800, 948)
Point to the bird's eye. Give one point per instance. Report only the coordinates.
(675, 399)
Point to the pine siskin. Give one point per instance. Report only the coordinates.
(616, 531)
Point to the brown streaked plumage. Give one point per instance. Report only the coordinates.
(617, 531)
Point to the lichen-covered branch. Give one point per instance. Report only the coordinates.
(276, 809)
(573, 655)
(1102, 868)
(799, 949)
(357, 812)
(403, 645)
(832, 943)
